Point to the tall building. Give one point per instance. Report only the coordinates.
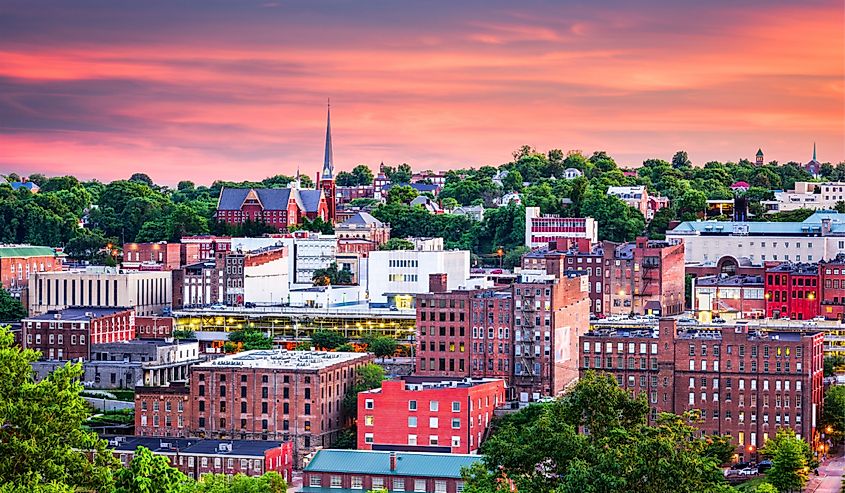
(428, 414)
(746, 383)
(759, 157)
(644, 277)
(159, 255)
(274, 395)
(326, 180)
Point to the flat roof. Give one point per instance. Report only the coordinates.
(283, 359)
(416, 464)
(78, 313)
(254, 448)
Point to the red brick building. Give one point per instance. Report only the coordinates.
(278, 208)
(367, 470)
(644, 277)
(208, 245)
(195, 457)
(361, 233)
(154, 327)
(746, 383)
(526, 333)
(69, 334)
(427, 414)
(832, 283)
(159, 255)
(793, 291)
(163, 411)
(273, 395)
(18, 261)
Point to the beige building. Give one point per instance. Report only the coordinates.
(148, 293)
(807, 195)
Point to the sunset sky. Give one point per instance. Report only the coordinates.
(206, 90)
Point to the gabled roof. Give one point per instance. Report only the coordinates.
(32, 187)
(310, 199)
(416, 464)
(362, 219)
(24, 251)
(231, 199)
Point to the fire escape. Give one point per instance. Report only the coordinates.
(528, 376)
(650, 281)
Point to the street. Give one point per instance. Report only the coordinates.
(829, 479)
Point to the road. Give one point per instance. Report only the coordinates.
(830, 477)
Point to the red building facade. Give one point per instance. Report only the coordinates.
(793, 291)
(832, 282)
(154, 327)
(746, 384)
(273, 395)
(163, 411)
(17, 262)
(68, 334)
(428, 414)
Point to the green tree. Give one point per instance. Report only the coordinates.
(345, 179)
(617, 221)
(831, 363)
(251, 339)
(367, 377)
(11, 309)
(449, 203)
(401, 194)
(766, 488)
(331, 275)
(184, 334)
(363, 174)
(513, 257)
(327, 339)
(399, 174)
(833, 419)
(791, 461)
(681, 160)
(397, 244)
(269, 482)
(149, 473)
(142, 178)
(42, 441)
(840, 206)
(383, 347)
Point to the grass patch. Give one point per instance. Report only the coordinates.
(749, 486)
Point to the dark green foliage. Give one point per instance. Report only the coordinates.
(367, 377)
(383, 347)
(11, 309)
(327, 339)
(397, 244)
(251, 339)
(331, 275)
(543, 448)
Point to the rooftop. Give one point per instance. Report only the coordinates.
(23, 251)
(361, 219)
(283, 359)
(413, 383)
(812, 226)
(78, 313)
(793, 268)
(376, 462)
(738, 280)
(243, 448)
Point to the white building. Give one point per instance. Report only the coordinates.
(395, 276)
(307, 252)
(571, 173)
(541, 229)
(474, 212)
(266, 276)
(807, 195)
(819, 237)
(328, 296)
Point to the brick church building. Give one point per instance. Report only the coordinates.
(283, 207)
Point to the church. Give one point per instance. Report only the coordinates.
(283, 207)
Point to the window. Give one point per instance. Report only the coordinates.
(456, 423)
(434, 406)
(315, 480)
(398, 484)
(456, 441)
(432, 439)
(419, 485)
(357, 482)
(368, 438)
(440, 486)
(412, 439)
(433, 422)
(369, 404)
(412, 405)
(412, 421)
(369, 420)
(335, 481)
(378, 483)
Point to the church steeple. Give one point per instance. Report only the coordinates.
(328, 159)
(814, 151)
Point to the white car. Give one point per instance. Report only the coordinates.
(748, 471)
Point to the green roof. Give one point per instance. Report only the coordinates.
(26, 251)
(418, 464)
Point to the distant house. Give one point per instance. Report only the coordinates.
(32, 187)
(572, 173)
(510, 197)
(474, 212)
(427, 204)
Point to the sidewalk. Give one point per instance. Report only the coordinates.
(829, 479)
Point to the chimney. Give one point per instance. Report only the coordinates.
(642, 242)
(392, 461)
(584, 245)
(668, 328)
(437, 283)
(317, 183)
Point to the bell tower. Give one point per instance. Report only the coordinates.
(327, 177)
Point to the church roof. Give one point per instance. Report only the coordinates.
(231, 199)
(328, 159)
(311, 199)
(759, 152)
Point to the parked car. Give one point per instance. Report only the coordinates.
(249, 304)
(718, 320)
(748, 471)
(764, 465)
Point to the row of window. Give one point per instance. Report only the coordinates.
(433, 422)
(395, 484)
(59, 337)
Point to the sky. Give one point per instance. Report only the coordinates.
(206, 90)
